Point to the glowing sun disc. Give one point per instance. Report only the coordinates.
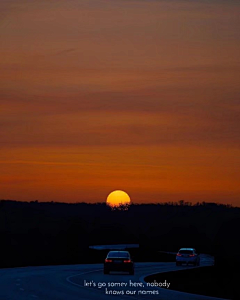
(117, 198)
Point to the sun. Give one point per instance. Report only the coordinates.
(118, 199)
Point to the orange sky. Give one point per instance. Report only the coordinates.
(141, 96)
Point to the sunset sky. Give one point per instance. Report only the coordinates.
(135, 95)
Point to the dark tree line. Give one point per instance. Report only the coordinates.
(35, 233)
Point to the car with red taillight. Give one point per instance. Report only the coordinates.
(187, 256)
(118, 261)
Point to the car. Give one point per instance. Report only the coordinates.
(118, 261)
(187, 256)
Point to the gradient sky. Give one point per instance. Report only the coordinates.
(141, 96)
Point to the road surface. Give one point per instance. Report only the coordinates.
(73, 283)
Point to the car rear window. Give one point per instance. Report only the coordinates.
(186, 251)
(118, 254)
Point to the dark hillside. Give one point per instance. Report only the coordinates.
(35, 233)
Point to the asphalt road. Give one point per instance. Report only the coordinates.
(73, 283)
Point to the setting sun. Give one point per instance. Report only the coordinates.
(118, 198)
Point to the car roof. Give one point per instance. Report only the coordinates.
(193, 249)
(118, 253)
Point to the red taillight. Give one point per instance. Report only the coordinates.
(108, 260)
(127, 261)
(179, 254)
(192, 255)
